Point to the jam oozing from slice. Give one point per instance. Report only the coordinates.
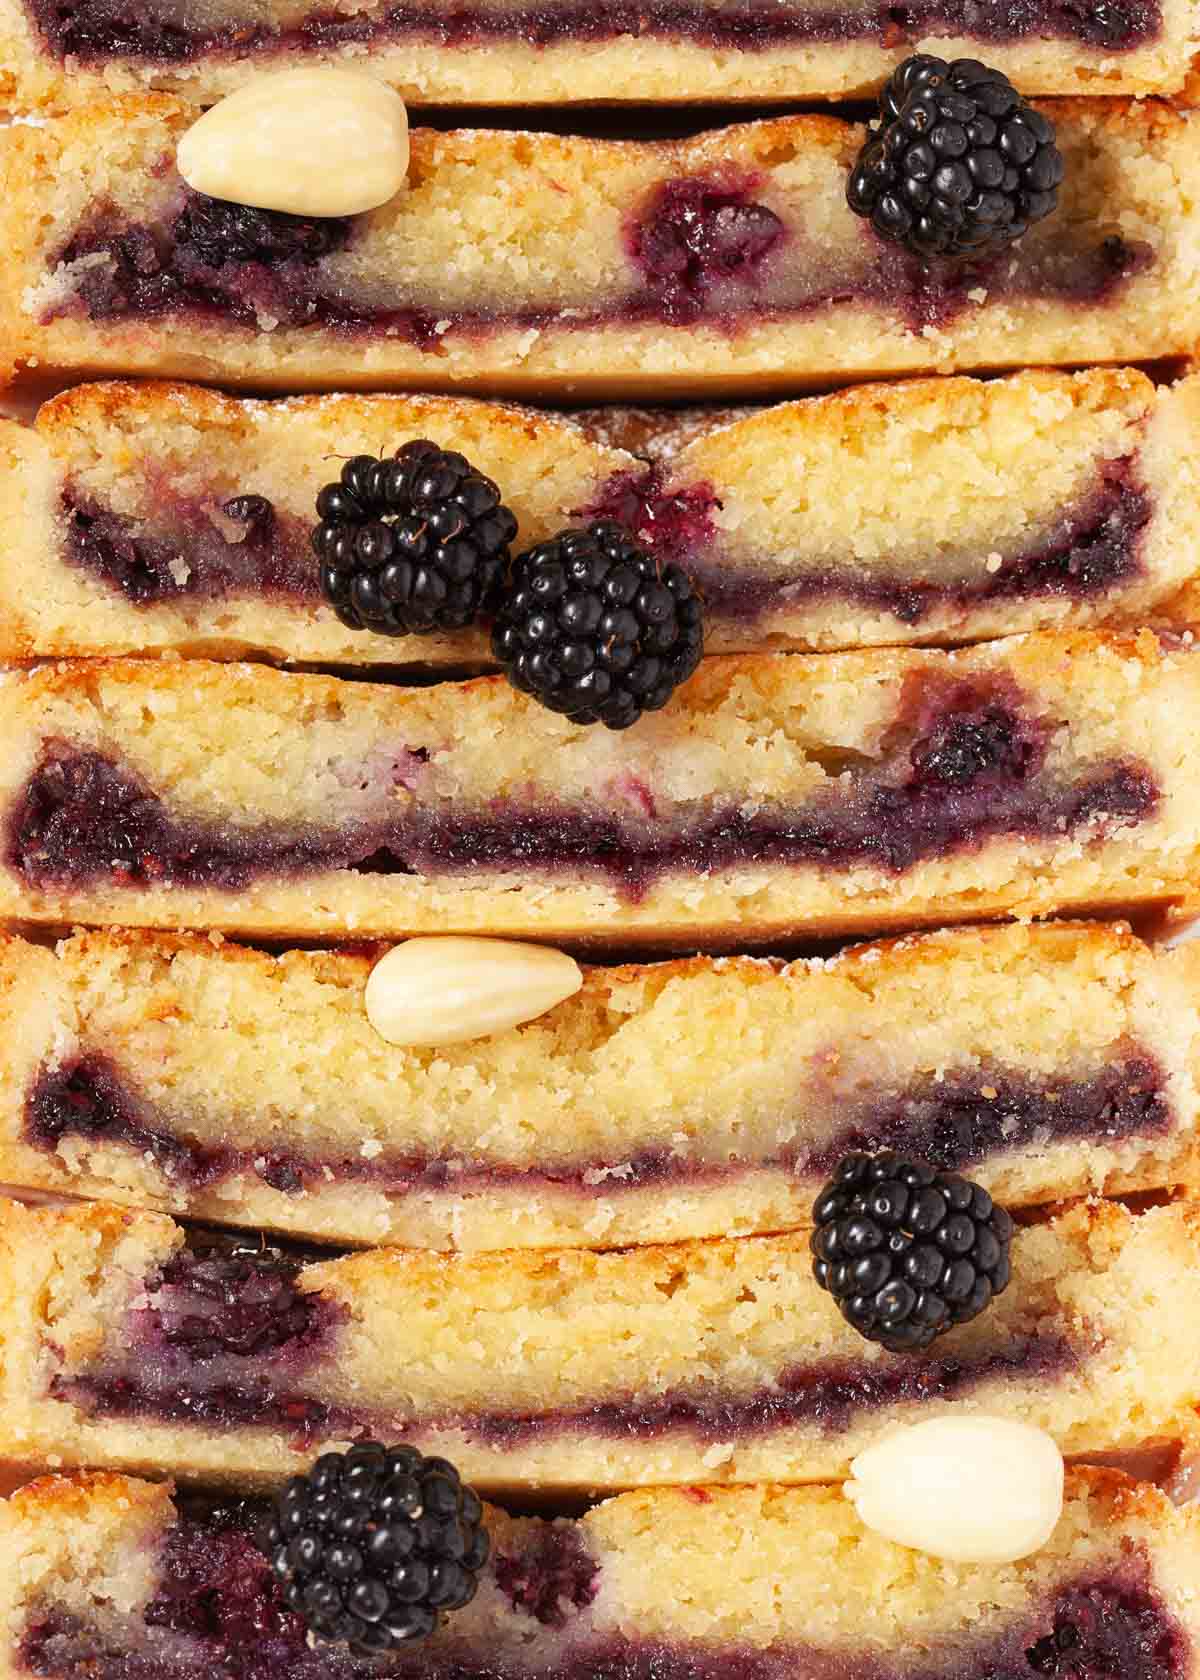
(162, 31)
(699, 248)
(965, 767)
(955, 1122)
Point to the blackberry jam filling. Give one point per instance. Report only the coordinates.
(703, 247)
(965, 767)
(161, 32)
(239, 547)
(224, 1338)
(210, 551)
(952, 1123)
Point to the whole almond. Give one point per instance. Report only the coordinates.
(450, 990)
(316, 142)
(967, 1488)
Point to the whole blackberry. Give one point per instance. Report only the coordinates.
(594, 627)
(960, 162)
(413, 544)
(372, 1543)
(907, 1252)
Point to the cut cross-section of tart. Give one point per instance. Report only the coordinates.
(129, 1345)
(559, 52)
(104, 1577)
(139, 518)
(677, 1100)
(772, 795)
(534, 264)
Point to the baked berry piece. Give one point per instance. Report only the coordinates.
(594, 627)
(107, 1577)
(411, 545)
(906, 1252)
(726, 263)
(371, 1544)
(960, 164)
(698, 1362)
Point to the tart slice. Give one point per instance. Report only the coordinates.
(128, 1345)
(771, 796)
(106, 1578)
(556, 53)
(677, 1100)
(140, 518)
(534, 264)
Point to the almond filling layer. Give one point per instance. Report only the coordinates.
(955, 1122)
(225, 1341)
(218, 1611)
(193, 550)
(699, 249)
(965, 766)
(163, 33)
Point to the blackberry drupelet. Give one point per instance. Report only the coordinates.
(594, 627)
(373, 1543)
(414, 544)
(907, 1252)
(960, 162)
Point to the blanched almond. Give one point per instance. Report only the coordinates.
(316, 142)
(971, 1489)
(451, 990)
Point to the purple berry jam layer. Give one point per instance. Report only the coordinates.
(703, 250)
(951, 1123)
(969, 769)
(1093, 547)
(218, 1611)
(97, 31)
(226, 1341)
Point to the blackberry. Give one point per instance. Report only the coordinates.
(960, 162)
(373, 1543)
(907, 1252)
(218, 232)
(413, 544)
(596, 628)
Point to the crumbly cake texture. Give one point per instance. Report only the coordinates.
(663, 1102)
(652, 66)
(799, 522)
(1015, 778)
(569, 1370)
(741, 1574)
(506, 245)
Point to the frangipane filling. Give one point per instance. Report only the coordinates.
(698, 249)
(954, 1122)
(196, 548)
(226, 1341)
(218, 1610)
(965, 765)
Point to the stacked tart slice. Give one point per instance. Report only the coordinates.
(597, 737)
